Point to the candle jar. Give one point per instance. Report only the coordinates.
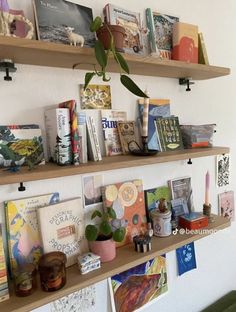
(52, 271)
(161, 223)
(25, 280)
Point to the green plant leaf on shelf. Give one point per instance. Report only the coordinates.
(96, 24)
(122, 62)
(95, 214)
(105, 228)
(131, 86)
(91, 232)
(88, 78)
(111, 212)
(100, 54)
(119, 235)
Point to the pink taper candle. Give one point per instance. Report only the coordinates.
(207, 189)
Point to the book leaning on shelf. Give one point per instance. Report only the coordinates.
(4, 291)
(94, 151)
(83, 152)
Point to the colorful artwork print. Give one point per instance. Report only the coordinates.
(226, 205)
(92, 189)
(21, 145)
(153, 196)
(95, 97)
(138, 286)
(24, 242)
(127, 199)
(186, 258)
(223, 170)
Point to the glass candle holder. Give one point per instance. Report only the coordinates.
(52, 271)
(25, 280)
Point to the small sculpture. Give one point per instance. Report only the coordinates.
(74, 38)
(162, 206)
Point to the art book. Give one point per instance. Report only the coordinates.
(186, 258)
(126, 130)
(53, 16)
(110, 131)
(181, 188)
(24, 243)
(62, 228)
(21, 145)
(153, 196)
(160, 33)
(4, 292)
(74, 131)
(127, 199)
(169, 134)
(95, 97)
(157, 108)
(131, 22)
(139, 286)
(226, 205)
(222, 170)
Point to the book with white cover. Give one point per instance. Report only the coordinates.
(62, 228)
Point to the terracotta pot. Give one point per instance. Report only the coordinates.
(105, 249)
(118, 33)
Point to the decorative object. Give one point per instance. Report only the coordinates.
(226, 205)
(186, 259)
(142, 243)
(88, 262)
(222, 170)
(127, 288)
(118, 33)
(161, 223)
(207, 205)
(105, 249)
(193, 221)
(52, 271)
(195, 136)
(57, 21)
(25, 280)
(103, 57)
(95, 97)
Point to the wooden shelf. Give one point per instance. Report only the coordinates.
(50, 170)
(126, 258)
(42, 53)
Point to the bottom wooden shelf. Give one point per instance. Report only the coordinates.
(126, 258)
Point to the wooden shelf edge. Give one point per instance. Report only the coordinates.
(126, 258)
(50, 171)
(34, 52)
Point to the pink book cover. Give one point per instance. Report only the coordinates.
(127, 199)
(226, 205)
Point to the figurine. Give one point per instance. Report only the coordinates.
(162, 206)
(74, 38)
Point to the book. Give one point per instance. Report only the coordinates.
(24, 245)
(157, 108)
(57, 123)
(126, 131)
(226, 205)
(52, 17)
(202, 51)
(169, 134)
(181, 188)
(179, 207)
(110, 131)
(74, 131)
(160, 33)
(83, 153)
(95, 97)
(4, 292)
(127, 199)
(185, 42)
(92, 152)
(95, 138)
(62, 228)
(131, 22)
(21, 145)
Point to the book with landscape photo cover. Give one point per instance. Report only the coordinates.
(62, 228)
(21, 145)
(181, 188)
(24, 245)
(53, 16)
(127, 199)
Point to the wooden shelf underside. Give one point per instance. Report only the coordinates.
(50, 170)
(126, 258)
(41, 53)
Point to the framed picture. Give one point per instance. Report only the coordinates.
(92, 189)
(226, 205)
(95, 97)
(223, 170)
(179, 207)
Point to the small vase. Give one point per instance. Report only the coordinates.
(105, 249)
(118, 34)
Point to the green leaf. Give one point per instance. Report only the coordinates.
(95, 214)
(96, 24)
(105, 228)
(119, 235)
(131, 86)
(88, 78)
(91, 232)
(112, 213)
(100, 54)
(122, 62)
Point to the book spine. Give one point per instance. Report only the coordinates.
(95, 138)
(91, 144)
(151, 35)
(157, 137)
(202, 53)
(160, 134)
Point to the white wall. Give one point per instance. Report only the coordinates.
(212, 101)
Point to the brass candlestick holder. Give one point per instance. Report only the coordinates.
(207, 212)
(144, 151)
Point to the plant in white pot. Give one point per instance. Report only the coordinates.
(102, 237)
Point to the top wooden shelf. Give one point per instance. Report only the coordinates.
(33, 52)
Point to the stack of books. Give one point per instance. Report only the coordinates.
(4, 292)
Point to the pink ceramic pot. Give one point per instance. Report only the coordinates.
(105, 249)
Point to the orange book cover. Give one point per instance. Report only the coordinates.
(185, 42)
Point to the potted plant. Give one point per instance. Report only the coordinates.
(104, 50)
(102, 237)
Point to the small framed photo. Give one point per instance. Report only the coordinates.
(179, 207)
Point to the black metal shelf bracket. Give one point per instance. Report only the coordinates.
(7, 66)
(186, 82)
(189, 162)
(21, 188)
